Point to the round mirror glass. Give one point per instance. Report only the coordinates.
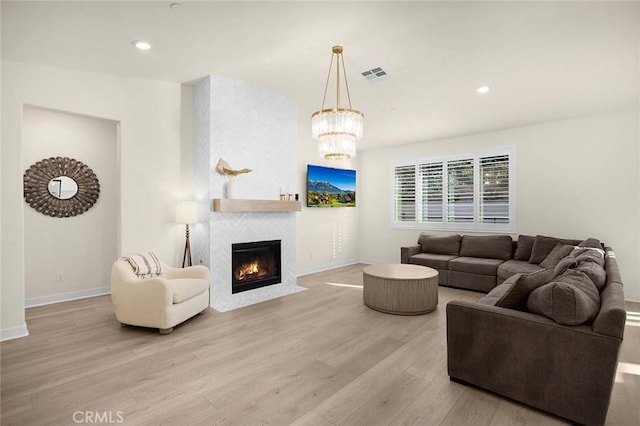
(63, 187)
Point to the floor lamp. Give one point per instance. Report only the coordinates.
(187, 213)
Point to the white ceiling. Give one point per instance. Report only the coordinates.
(543, 60)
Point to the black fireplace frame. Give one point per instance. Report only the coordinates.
(252, 246)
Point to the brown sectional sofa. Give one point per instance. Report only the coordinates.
(480, 263)
(549, 331)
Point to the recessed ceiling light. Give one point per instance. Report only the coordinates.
(483, 89)
(141, 45)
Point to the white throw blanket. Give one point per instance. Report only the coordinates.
(145, 264)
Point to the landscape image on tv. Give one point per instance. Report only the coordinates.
(329, 187)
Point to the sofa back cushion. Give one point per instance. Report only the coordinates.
(523, 248)
(440, 245)
(486, 246)
(559, 252)
(521, 285)
(590, 242)
(570, 299)
(543, 245)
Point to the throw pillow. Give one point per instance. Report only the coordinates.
(570, 299)
(559, 252)
(590, 242)
(440, 245)
(542, 246)
(498, 291)
(523, 248)
(595, 272)
(585, 254)
(569, 262)
(522, 286)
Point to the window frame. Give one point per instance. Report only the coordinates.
(476, 224)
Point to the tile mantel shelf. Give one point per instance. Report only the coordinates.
(238, 205)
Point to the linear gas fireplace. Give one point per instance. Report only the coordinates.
(255, 265)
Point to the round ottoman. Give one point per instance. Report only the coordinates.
(401, 289)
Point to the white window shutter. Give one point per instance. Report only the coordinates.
(405, 193)
(494, 189)
(460, 191)
(431, 178)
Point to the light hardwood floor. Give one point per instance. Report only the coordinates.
(318, 357)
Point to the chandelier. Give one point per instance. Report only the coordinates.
(337, 129)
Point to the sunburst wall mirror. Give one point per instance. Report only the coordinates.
(60, 187)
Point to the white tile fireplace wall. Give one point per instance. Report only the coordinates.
(253, 127)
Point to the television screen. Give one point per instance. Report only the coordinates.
(329, 187)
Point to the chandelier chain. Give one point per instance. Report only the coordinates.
(346, 83)
(326, 85)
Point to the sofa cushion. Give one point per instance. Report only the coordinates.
(469, 281)
(512, 267)
(486, 246)
(543, 245)
(595, 272)
(569, 262)
(498, 291)
(475, 265)
(585, 254)
(436, 261)
(523, 248)
(590, 242)
(440, 245)
(570, 299)
(522, 285)
(559, 252)
(185, 289)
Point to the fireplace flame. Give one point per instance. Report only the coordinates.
(247, 270)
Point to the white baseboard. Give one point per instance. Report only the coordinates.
(374, 261)
(327, 266)
(13, 333)
(334, 265)
(65, 297)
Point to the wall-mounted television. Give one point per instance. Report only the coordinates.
(329, 187)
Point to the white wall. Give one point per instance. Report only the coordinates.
(150, 157)
(326, 237)
(81, 248)
(575, 178)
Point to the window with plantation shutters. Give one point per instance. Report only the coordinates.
(431, 195)
(460, 191)
(494, 189)
(405, 193)
(473, 191)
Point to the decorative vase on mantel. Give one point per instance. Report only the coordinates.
(229, 187)
(225, 169)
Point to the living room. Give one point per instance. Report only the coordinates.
(564, 97)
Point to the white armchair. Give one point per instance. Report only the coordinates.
(162, 301)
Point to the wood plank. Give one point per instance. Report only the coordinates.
(238, 205)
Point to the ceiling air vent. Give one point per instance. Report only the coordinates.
(375, 74)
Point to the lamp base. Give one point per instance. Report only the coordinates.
(186, 259)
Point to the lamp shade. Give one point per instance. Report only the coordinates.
(187, 212)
